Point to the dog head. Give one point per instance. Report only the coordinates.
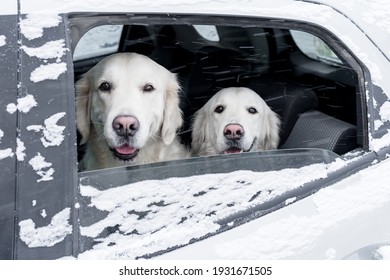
(128, 99)
(234, 120)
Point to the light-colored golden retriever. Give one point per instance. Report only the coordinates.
(127, 109)
(234, 120)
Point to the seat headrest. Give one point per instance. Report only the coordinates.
(287, 98)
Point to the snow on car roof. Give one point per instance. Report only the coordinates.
(373, 17)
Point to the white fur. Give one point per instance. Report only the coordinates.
(261, 128)
(157, 110)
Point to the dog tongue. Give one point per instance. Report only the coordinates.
(125, 150)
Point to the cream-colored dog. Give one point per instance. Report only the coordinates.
(128, 112)
(234, 120)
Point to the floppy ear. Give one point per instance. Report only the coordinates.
(172, 113)
(83, 107)
(271, 126)
(199, 129)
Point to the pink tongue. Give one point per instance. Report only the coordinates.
(125, 150)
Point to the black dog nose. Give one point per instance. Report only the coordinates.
(125, 125)
(233, 131)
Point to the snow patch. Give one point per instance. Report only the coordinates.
(1, 134)
(290, 200)
(330, 254)
(52, 133)
(378, 143)
(2, 40)
(32, 26)
(24, 104)
(334, 205)
(384, 111)
(48, 72)
(382, 253)
(46, 236)
(53, 49)
(6, 153)
(20, 148)
(43, 213)
(182, 209)
(34, 202)
(38, 163)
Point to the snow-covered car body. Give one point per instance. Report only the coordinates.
(300, 201)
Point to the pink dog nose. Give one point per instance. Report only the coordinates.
(233, 131)
(125, 125)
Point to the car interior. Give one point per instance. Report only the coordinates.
(318, 100)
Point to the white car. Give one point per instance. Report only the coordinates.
(322, 66)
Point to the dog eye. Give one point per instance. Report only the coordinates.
(219, 109)
(148, 88)
(105, 86)
(252, 110)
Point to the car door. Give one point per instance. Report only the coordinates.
(43, 191)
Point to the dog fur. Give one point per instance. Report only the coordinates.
(234, 120)
(127, 110)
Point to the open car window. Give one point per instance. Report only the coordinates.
(319, 105)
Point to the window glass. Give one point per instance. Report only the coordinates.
(98, 41)
(208, 32)
(314, 47)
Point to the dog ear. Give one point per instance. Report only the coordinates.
(199, 130)
(83, 107)
(271, 127)
(172, 113)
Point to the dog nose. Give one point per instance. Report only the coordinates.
(233, 131)
(125, 125)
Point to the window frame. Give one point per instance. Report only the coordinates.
(365, 157)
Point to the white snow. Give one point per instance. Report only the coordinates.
(20, 148)
(382, 253)
(24, 104)
(43, 213)
(34, 202)
(385, 111)
(32, 26)
(290, 200)
(52, 49)
(42, 168)
(181, 209)
(2, 40)
(46, 236)
(1, 134)
(49, 71)
(52, 133)
(330, 254)
(378, 143)
(6, 153)
(334, 206)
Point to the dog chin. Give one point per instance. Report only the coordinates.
(233, 150)
(125, 152)
(237, 148)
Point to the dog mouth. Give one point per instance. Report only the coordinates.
(235, 148)
(125, 152)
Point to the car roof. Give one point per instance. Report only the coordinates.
(372, 17)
